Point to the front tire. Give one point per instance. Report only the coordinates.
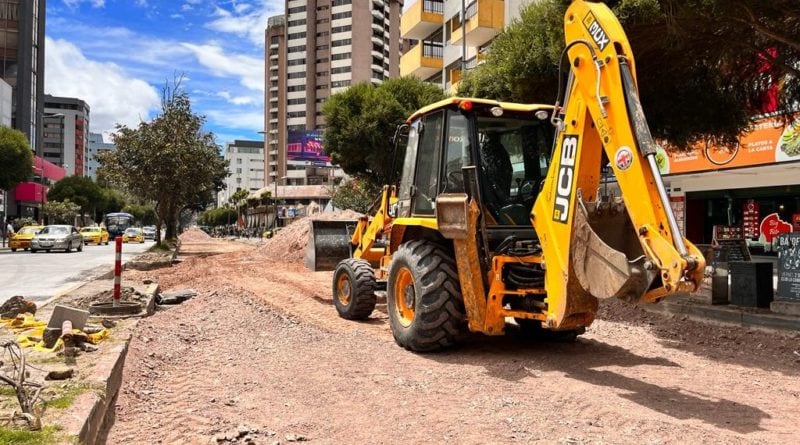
(13, 250)
(426, 310)
(354, 289)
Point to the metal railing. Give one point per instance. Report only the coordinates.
(472, 10)
(433, 6)
(433, 50)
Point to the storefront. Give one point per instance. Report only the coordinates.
(750, 192)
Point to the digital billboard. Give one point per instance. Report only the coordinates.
(306, 146)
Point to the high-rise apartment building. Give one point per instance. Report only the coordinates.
(246, 167)
(320, 47)
(450, 36)
(66, 133)
(22, 62)
(96, 147)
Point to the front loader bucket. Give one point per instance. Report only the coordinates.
(329, 243)
(606, 257)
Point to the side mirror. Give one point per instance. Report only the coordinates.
(401, 131)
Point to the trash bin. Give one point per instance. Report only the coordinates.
(751, 283)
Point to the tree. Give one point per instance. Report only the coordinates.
(80, 190)
(362, 119)
(16, 158)
(145, 214)
(704, 67)
(356, 194)
(61, 212)
(170, 161)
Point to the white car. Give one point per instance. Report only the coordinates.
(149, 232)
(57, 237)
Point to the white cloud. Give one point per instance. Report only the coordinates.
(236, 100)
(244, 21)
(112, 95)
(95, 3)
(249, 70)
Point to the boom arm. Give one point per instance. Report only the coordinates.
(593, 248)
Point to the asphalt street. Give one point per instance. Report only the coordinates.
(40, 276)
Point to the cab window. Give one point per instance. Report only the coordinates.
(426, 177)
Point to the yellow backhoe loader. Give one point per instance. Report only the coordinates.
(501, 210)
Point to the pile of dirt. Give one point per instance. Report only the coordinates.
(289, 244)
(194, 234)
(127, 293)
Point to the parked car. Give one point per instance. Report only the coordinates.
(96, 235)
(133, 235)
(149, 232)
(22, 239)
(57, 237)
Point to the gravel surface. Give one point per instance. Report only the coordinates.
(261, 356)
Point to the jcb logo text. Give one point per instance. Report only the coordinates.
(566, 174)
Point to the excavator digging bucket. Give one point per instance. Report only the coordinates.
(606, 257)
(328, 243)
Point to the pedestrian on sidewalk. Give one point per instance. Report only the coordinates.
(8, 232)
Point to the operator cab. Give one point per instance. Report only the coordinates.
(507, 144)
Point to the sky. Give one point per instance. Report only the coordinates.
(117, 55)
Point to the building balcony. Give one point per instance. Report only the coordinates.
(273, 152)
(455, 80)
(423, 60)
(422, 19)
(484, 20)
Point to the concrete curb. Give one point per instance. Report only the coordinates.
(730, 315)
(91, 413)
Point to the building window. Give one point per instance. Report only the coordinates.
(296, 88)
(322, 47)
(323, 86)
(296, 114)
(322, 73)
(340, 84)
(296, 49)
(297, 22)
(322, 34)
(344, 28)
(321, 21)
(296, 101)
(341, 2)
(342, 42)
(322, 60)
(238, 160)
(342, 15)
(239, 171)
(296, 75)
(297, 35)
(296, 9)
(339, 70)
(342, 56)
(295, 62)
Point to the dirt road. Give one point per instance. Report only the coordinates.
(260, 355)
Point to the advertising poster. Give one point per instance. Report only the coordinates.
(306, 146)
(750, 219)
(770, 141)
(789, 267)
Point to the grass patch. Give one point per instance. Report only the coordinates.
(48, 435)
(67, 397)
(7, 391)
(161, 247)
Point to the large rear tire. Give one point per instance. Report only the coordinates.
(426, 310)
(354, 289)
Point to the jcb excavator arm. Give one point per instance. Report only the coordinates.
(597, 248)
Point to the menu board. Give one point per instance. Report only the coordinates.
(789, 266)
(731, 250)
(750, 219)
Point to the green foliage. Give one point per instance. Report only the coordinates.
(61, 212)
(358, 195)
(16, 158)
(238, 196)
(80, 190)
(700, 63)
(218, 217)
(145, 214)
(112, 201)
(170, 161)
(362, 119)
(22, 222)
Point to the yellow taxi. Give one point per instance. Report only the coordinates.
(133, 235)
(96, 235)
(22, 239)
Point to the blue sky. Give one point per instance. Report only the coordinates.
(117, 55)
